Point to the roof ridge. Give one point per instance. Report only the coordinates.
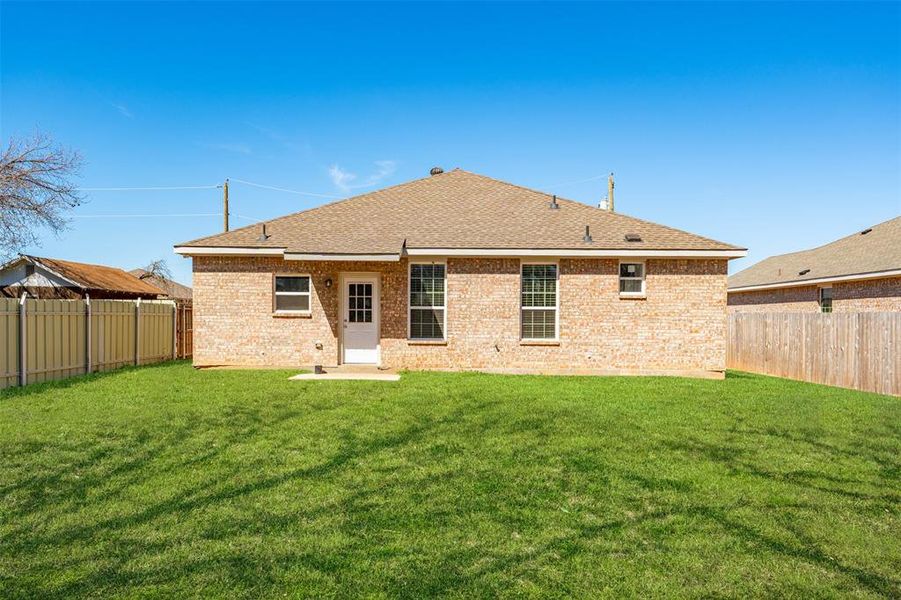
(589, 206)
(815, 248)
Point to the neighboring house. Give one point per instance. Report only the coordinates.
(172, 289)
(461, 271)
(54, 278)
(861, 272)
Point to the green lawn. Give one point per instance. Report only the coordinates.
(165, 481)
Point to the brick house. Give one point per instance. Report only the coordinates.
(858, 273)
(462, 271)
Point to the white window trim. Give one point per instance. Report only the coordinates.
(644, 274)
(556, 337)
(820, 299)
(309, 293)
(410, 306)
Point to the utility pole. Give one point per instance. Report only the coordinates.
(609, 193)
(225, 204)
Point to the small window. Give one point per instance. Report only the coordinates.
(539, 302)
(292, 294)
(631, 279)
(427, 301)
(825, 299)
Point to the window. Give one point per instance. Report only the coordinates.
(292, 294)
(631, 279)
(359, 302)
(427, 301)
(825, 294)
(539, 302)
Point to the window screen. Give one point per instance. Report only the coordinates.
(292, 294)
(826, 299)
(631, 278)
(427, 301)
(539, 302)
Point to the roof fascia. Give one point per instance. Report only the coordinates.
(807, 282)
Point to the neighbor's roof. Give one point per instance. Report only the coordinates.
(95, 277)
(453, 210)
(863, 254)
(171, 288)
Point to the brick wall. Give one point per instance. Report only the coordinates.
(679, 326)
(852, 296)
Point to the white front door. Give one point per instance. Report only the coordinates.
(361, 320)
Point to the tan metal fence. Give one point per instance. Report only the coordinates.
(852, 350)
(42, 340)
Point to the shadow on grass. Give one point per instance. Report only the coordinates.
(34, 389)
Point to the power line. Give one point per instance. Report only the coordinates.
(595, 178)
(280, 189)
(130, 215)
(141, 189)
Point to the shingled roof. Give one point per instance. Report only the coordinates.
(875, 250)
(453, 210)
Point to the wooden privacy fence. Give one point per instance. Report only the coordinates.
(42, 340)
(851, 350)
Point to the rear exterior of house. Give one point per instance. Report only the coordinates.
(460, 271)
(858, 273)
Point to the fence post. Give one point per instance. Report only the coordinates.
(137, 331)
(23, 339)
(87, 331)
(174, 331)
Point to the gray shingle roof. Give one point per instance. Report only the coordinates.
(456, 209)
(876, 251)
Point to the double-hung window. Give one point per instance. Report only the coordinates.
(631, 279)
(825, 299)
(292, 294)
(539, 302)
(428, 310)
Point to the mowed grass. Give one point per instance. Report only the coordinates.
(166, 481)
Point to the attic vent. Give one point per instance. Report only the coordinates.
(554, 204)
(804, 272)
(866, 231)
(633, 237)
(436, 171)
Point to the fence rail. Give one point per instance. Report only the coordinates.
(852, 350)
(42, 340)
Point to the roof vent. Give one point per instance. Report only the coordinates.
(436, 171)
(804, 272)
(587, 237)
(866, 231)
(554, 204)
(633, 237)
(263, 235)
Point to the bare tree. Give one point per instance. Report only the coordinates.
(36, 190)
(158, 269)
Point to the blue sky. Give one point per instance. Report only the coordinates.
(774, 126)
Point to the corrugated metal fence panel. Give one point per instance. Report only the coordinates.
(113, 334)
(57, 337)
(853, 350)
(157, 332)
(9, 343)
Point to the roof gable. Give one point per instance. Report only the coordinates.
(97, 277)
(453, 210)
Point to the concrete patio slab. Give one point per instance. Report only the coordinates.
(347, 375)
